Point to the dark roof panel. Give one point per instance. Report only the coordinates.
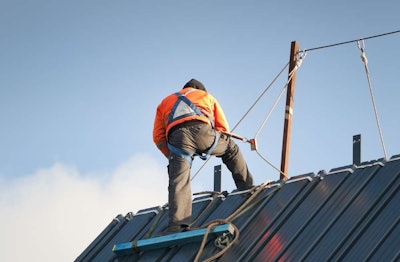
(228, 206)
(200, 205)
(349, 214)
(135, 228)
(274, 205)
(380, 223)
(96, 245)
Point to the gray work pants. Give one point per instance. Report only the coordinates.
(198, 138)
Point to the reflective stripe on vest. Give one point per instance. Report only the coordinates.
(183, 107)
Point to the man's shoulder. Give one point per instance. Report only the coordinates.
(167, 99)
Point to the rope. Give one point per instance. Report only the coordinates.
(255, 192)
(208, 193)
(154, 223)
(214, 196)
(269, 163)
(270, 111)
(202, 166)
(361, 46)
(351, 41)
(260, 96)
(299, 61)
(245, 114)
(203, 243)
(304, 52)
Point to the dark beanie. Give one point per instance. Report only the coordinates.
(195, 84)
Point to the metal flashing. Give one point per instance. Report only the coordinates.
(337, 171)
(394, 158)
(209, 196)
(242, 192)
(118, 218)
(148, 211)
(274, 184)
(299, 179)
(202, 200)
(369, 164)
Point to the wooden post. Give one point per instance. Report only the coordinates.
(289, 111)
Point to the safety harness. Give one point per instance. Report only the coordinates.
(183, 107)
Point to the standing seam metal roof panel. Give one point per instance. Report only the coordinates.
(349, 214)
(365, 209)
(380, 241)
(286, 229)
(228, 206)
(293, 245)
(134, 228)
(260, 227)
(309, 207)
(208, 210)
(249, 233)
(337, 226)
(92, 248)
(333, 204)
(198, 208)
(273, 239)
(373, 234)
(104, 241)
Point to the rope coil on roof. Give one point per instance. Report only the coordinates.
(239, 211)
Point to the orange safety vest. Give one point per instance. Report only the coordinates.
(166, 118)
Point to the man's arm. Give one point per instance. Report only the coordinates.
(159, 133)
(221, 124)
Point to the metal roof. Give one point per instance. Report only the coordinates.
(350, 213)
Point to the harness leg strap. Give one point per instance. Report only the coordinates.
(182, 153)
(188, 156)
(209, 151)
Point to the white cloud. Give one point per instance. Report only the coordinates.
(55, 213)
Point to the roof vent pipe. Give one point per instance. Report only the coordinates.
(357, 149)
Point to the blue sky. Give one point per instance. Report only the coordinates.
(80, 82)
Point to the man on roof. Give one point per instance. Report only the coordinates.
(191, 123)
